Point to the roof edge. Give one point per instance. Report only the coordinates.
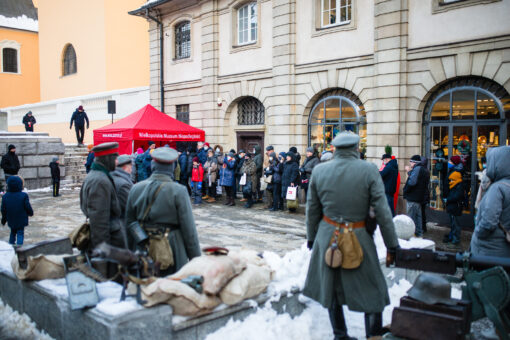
(149, 5)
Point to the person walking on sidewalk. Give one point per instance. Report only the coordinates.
(79, 118)
(16, 209)
(29, 121)
(55, 176)
(10, 162)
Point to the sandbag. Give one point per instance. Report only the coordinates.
(40, 267)
(183, 299)
(251, 282)
(248, 256)
(217, 270)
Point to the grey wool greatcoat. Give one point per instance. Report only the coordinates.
(171, 206)
(346, 187)
(99, 202)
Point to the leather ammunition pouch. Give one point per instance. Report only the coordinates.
(344, 248)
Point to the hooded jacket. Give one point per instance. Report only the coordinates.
(28, 121)
(455, 194)
(15, 204)
(389, 176)
(488, 238)
(79, 119)
(259, 160)
(10, 163)
(227, 172)
(55, 171)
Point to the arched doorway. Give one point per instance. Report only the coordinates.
(335, 111)
(464, 117)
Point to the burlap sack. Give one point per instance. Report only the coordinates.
(248, 256)
(216, 270)
(40, 267)
(251, 282)
(183, 299)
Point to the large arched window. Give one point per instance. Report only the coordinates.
(464, 117)
(69, 60)
(250, 111)
(183, 40)
(335, 111)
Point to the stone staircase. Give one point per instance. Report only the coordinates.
(74, 160)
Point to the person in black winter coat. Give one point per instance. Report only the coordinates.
(389, 176)
(183, 164)
(414, 191)
(276, 170)
(29, 121)
(78, 118)
(293, 149)
(426, 197)
(10, 163)
(55, 176)
(16, 209)
(290, 176)
(307, 167)
(239, 165)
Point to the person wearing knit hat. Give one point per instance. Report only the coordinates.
(10, 162)
(90, 158)
(414, 192)
(100, 204)
(55, 176)
(123, 183)
(454, 205)
(306, 169)
(29, 121)
(79, 118)
(161, 206)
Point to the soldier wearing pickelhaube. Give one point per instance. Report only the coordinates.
(340, 194)
(98, 199)
(162, 208)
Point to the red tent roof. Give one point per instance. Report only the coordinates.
(148, 123)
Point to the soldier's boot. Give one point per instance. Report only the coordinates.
(373, 326)
(336, 317)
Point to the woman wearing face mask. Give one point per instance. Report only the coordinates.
(211, 174)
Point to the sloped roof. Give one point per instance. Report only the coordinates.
(18, 8)
(148, 5)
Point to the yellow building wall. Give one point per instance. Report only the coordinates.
(127, 45)
(81, 23)
(19, 89)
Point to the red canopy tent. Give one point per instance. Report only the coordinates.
(147, 124)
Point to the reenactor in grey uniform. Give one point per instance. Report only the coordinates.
(340, 194)
(122, 179)
(99, 202)
(162, 207)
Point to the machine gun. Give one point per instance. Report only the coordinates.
(486, 293)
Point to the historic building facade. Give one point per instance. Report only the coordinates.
(421, 76)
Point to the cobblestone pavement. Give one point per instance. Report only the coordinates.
(216, 224)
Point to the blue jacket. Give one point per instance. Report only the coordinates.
(141, 173)
(15, 205)
(183, 163)
(90, 160)
(146, 164)
(202, 156)
(79, 119)
(227, 173)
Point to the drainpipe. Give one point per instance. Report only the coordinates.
(161, 78)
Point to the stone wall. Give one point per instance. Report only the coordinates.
(35, 152)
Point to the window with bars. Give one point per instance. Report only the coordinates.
(250, 111)
(183, 40)
(10, 60)
(69, 61)
(336, 12)
(182, 113)
(247, 24)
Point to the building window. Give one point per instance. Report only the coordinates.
(465, 117)
(247, 24)
(336, 12)
(250, 111)
(10, 60)
(182, 113)
(336, 111)
(183, 40)
(69, 61)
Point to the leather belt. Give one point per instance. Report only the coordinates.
(160, 228)
(347, 225)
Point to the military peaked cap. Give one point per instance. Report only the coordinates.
(165, 155)
(123, 160)
(106, 149)
(345, 139)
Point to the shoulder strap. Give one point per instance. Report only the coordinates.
(148, 209)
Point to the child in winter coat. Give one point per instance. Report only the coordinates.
(55, 176)
(197, 177)
(15, 209)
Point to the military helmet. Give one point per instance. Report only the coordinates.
(431, 289)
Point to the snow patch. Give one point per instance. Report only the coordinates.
(22, 23)
(19, 326)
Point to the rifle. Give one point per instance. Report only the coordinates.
(486, 289)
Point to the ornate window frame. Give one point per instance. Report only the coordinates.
(234, 10)
(440, 6)
(318, 29)
(14, 45)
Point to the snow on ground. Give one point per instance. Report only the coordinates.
(22, 23)
(18, 326)
(414, 242)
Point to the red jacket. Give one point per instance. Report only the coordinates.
(197, 174)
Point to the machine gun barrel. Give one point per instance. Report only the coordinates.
(446, 262)
(124, 257)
